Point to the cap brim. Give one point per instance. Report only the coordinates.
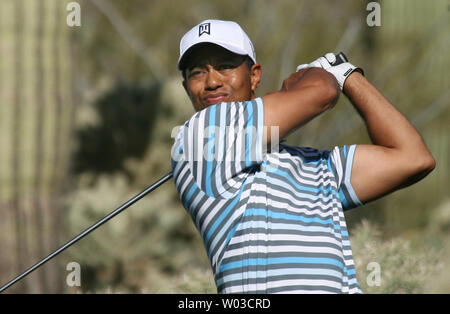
(228, 47)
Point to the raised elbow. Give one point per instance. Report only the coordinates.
(428, 163)
(424, 165)
(417, 169)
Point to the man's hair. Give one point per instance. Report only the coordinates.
(247, 60)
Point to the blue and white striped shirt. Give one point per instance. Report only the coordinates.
(271, 222)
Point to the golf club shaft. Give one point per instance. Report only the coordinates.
(90, 229)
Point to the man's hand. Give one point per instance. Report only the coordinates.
(289, 82)
(293, 80)
(340, 70)
(303, 96)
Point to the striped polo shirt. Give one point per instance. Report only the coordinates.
(271, 221)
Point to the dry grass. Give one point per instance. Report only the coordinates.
(407, 266)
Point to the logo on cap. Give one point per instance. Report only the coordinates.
(204, 29)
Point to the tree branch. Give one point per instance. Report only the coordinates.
(127, 34)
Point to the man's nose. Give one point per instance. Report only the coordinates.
(213, 79)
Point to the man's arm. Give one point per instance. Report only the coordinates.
(398, 156)
(304, 95)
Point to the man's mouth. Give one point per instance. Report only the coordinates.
(215, 98)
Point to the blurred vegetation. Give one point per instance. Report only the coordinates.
(86, 120)
(126, 117)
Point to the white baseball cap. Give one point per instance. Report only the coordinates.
(226, 34)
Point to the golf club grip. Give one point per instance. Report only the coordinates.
(340, 58)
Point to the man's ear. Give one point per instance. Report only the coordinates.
(255, 76)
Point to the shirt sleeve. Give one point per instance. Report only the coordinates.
(223, 144)
(341, 162)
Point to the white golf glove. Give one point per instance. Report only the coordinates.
(336, 65)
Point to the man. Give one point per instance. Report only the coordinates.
(271, 216)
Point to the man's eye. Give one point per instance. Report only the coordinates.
(195, 73)
(226, 66)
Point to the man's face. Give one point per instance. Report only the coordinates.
(214, 75)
